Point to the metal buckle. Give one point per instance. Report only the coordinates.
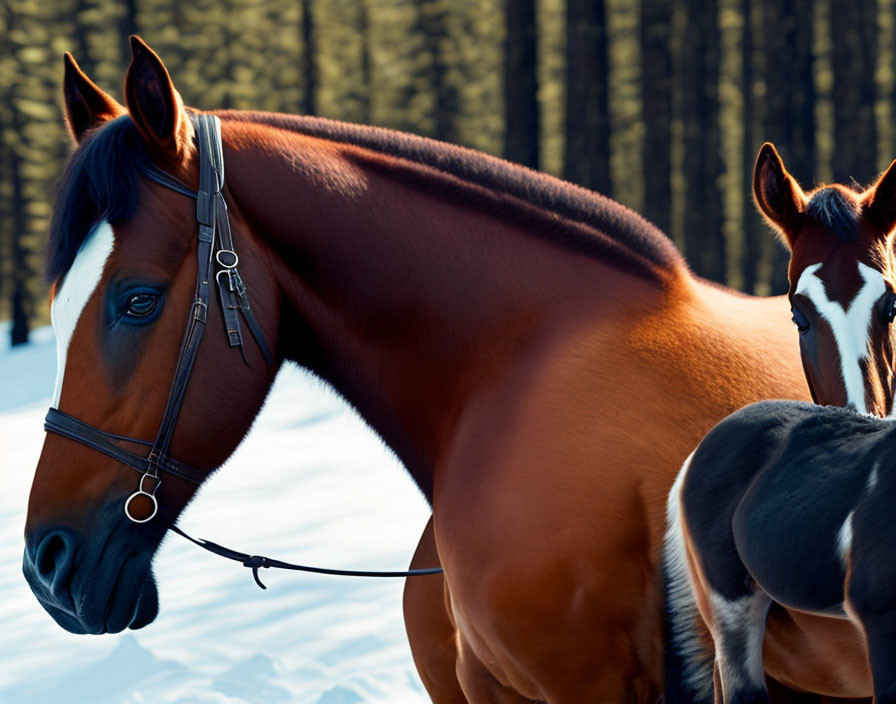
(229, 273)
(200, 310)
(230, 253)
(142, 492)
(238, 286)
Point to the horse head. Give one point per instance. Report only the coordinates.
(842, 281)
(123, 262)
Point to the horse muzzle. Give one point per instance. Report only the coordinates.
(102, 584)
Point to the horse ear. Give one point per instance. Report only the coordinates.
(880, 205)
(86, 106)
(777, 194)
(155, 106)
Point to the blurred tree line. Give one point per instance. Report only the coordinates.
(660, 104)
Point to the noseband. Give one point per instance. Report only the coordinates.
(217, 262)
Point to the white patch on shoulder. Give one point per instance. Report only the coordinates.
(873, 478)
(77, 288)
(844, 539)
(850, 326)
(681, 605)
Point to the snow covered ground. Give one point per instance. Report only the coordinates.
(310, 484)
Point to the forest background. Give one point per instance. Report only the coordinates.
(660, 104)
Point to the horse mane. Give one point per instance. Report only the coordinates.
(618, 235)
(100, 182)
(835, 210)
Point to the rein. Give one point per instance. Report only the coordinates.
(256, 562)
(217, 262)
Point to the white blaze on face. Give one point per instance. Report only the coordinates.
(850, 325)
(77, 288)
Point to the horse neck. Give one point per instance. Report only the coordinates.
(409, 304)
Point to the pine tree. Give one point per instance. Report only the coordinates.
(366, 67)
(19, 301)
(854, 40)
(433, 21)
(751, 227)
(704, 244)
(587, 150)
(789, 99)
(32, 142)
(309, 59)
(656, 95)
(521, 111)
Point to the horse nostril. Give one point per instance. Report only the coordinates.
(55, 557)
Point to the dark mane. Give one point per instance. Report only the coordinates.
(622, 234)
(101, 180)
(99, 183)
(836, 211)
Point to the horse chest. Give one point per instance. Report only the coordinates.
(788, 531)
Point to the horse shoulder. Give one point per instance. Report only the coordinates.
(540, 516)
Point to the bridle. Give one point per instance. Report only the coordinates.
(217, 263)
(215, 251)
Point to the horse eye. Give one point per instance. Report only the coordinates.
(800, 320)
(888, 310)
(141, 305)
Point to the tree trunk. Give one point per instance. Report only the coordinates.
(704, 241)
(656, 95)
(750, 224)
(309, 59)
(790, 95)
(433, 21)
(854, 46)
(789, 100)
(587, 151)
(366, 63)
(128, 26)
(81, 51)
(19, 300)
(20, 329)
(521, 118)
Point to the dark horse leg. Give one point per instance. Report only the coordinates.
(870, 595)
(880, 629)
(739, 629)
(737, 605)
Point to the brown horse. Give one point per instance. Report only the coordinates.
(842, 281)
(539, 357)
(843, 297)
